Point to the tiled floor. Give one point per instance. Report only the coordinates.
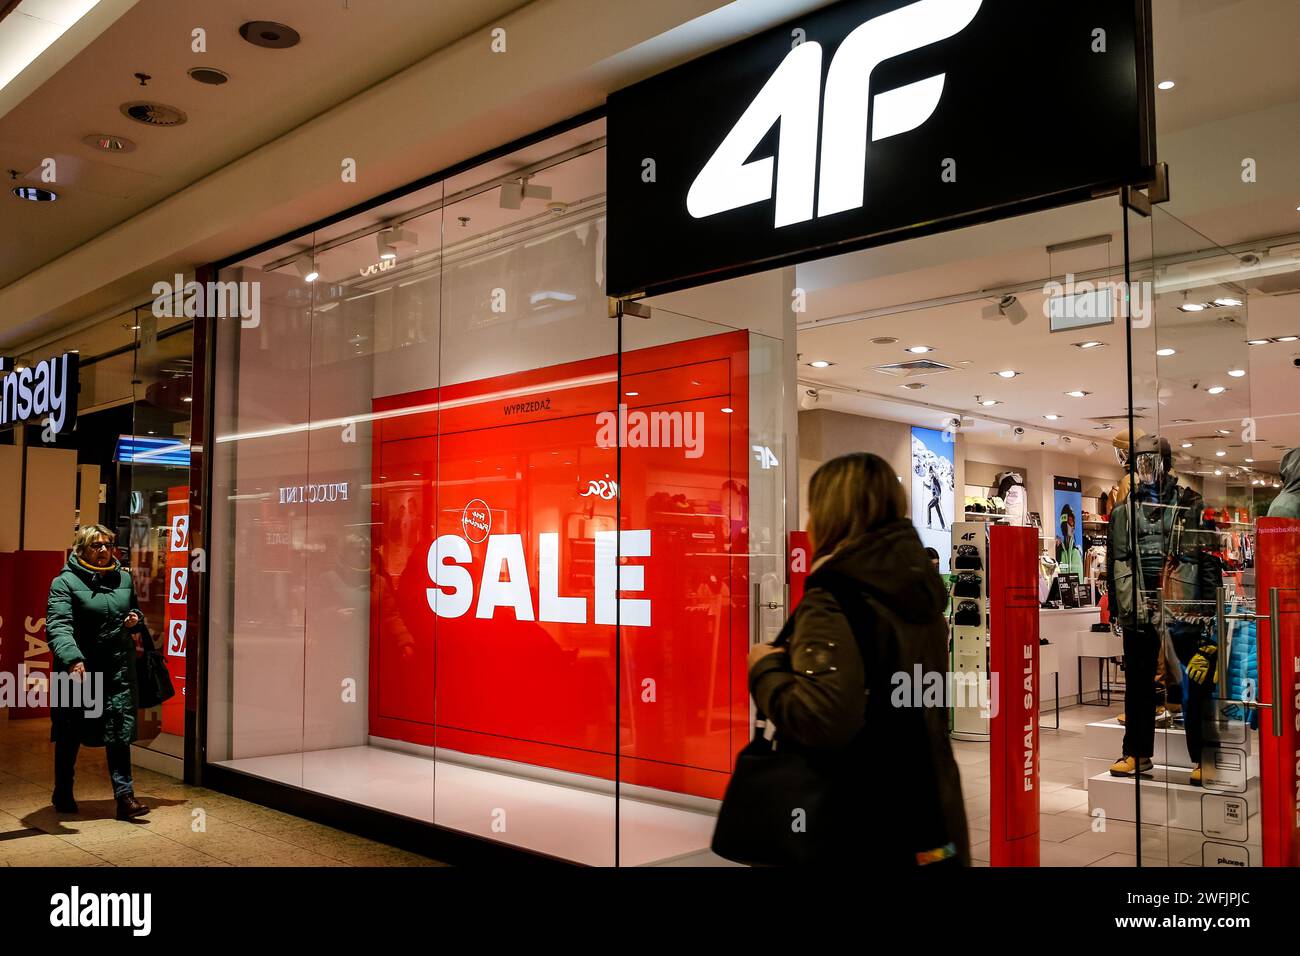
(1069, 835)
(233, 832)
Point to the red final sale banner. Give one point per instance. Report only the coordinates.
(1278, 567)
(172, 641)
(1014, 745)
(561, 567)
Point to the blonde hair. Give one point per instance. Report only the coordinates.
(88, 533)
(850, 496)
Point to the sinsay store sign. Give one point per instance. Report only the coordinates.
(869, 121)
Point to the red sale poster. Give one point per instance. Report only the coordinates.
(33, 571)
(172, 641)
(561, 566)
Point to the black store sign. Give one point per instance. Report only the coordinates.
(871, 121)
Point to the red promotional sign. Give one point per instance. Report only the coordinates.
(172, 640)
(1279, 769)
(33, 571)
(798, 561)
(1013, 662)
(11, 630)
(561, 566)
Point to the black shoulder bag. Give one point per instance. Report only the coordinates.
(775, 808)
(153, 682)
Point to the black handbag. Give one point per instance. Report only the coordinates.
(152, 680)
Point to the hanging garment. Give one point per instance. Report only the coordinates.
(1243, 672)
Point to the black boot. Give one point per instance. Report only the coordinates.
(62, 800)
(129, 807)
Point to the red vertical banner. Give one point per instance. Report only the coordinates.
(11, 628)
(172, 642)
(33, 572)
(1278, 568)
(798, 560)
(1014, 746)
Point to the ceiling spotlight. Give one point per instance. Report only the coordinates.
(920, 349)
(987, 402)
(821, 363)
(1166, 352)
(1078, 393)
(1250, 461)
(1092, 448)
(1008, 307)
(1064, 440)
(1259, 341)
(727, 410)
(1089, 345)
(1237, 372)
(1216, 390)
(1287, 338)
(306, 267)
(1166, 85)
(1218, 471)
(34, 194)
(1227, 303)
(187, 399)
(1007, 373)
(1187, 444)
(1220, 453)
(515, 192)
(1192, 307)
(1052, 418)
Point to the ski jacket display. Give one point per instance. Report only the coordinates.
(1196, 569)
(1287, 503)
(833, 692)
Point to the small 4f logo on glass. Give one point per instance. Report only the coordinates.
(792, 97)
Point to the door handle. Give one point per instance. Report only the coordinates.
(1274, 619)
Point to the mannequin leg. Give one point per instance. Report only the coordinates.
(1141, 645)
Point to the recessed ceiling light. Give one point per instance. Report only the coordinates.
(1218, 471)
(34, 194)
(1224, 431)
(884, 340)
(1078, 393)
(1227, 303)
(1250, 461)
(1187, 444)
(1287, 338)
(1259, 341)
(1089, 345)
(1166, 85)
(821, 363)
(727, 411)
(1052, 418)
(1237, 372)
(269, 34)
(306, 268)
(912, 386)
(987, 402)
(1166, 352)
(1182, 421)
(1192, 307)
(920, 349)
(1220, 453)
(631, 394)
(187, 399)
(1007, 373)
(1216, 389)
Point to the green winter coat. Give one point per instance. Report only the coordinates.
(84, 623)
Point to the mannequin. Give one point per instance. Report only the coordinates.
(1166, 522)
(1011, 489)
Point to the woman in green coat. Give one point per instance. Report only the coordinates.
(95, 632)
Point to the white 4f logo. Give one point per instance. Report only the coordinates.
(791, 96)
(764, 456)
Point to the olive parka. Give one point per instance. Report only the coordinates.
(83, 622)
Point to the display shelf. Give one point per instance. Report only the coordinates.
(1175, 805)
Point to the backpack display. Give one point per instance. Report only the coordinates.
(968, 615)
(968, 558)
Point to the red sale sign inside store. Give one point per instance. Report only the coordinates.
(172, 641)
(574, 579)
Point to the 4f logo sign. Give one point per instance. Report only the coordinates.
(792, 97)
(764, 456)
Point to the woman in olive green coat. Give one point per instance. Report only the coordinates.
(95, 632)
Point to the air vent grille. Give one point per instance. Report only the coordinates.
(154, 114)
(913, 369)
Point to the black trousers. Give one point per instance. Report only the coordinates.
(1141, 646)
(119, 766)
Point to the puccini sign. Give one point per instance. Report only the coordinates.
(45, 391)
(870, 121)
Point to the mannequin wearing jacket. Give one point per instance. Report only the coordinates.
(1169, 530)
